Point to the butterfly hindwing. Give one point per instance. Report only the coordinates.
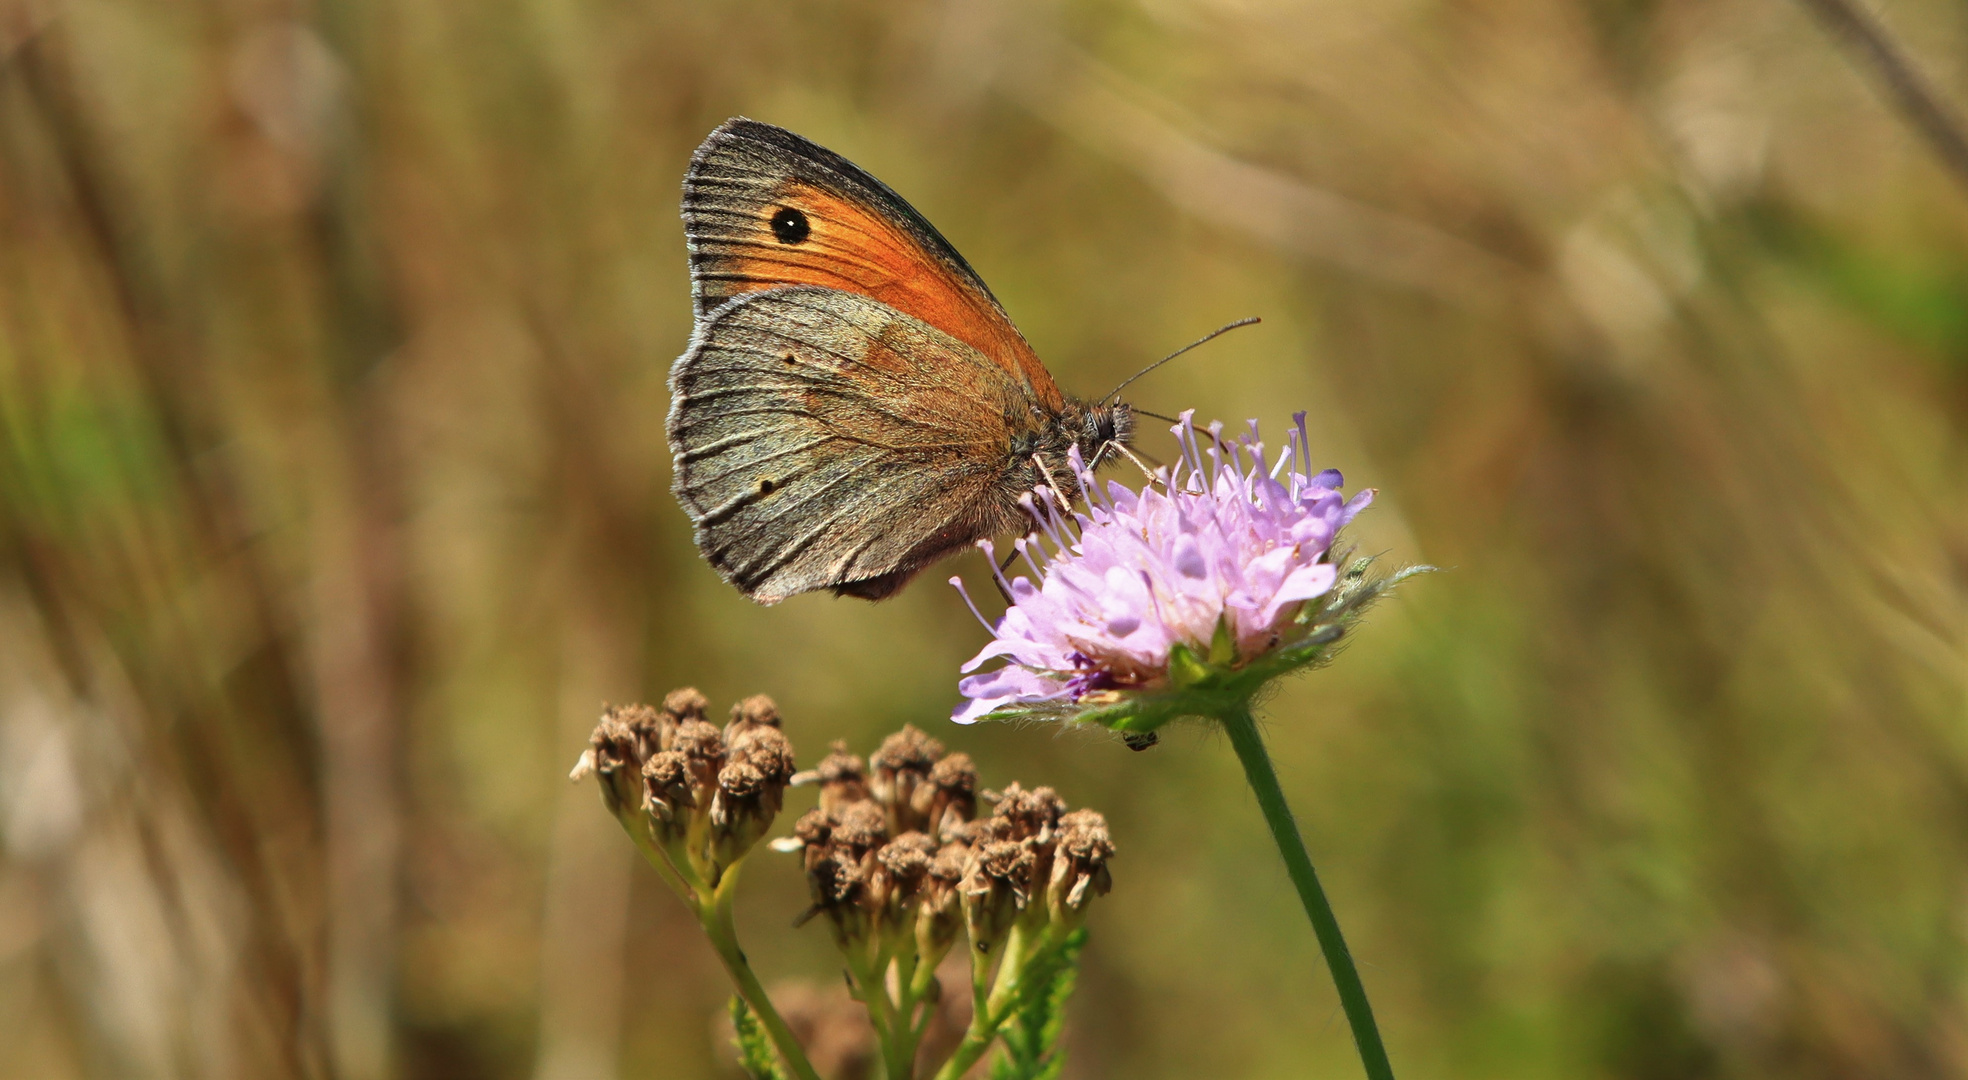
(765, 208)
(826, 440)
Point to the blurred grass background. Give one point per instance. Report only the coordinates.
(333, 504)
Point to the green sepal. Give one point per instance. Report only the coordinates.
(755, 1053)
(1223, 644)
(1184, 669)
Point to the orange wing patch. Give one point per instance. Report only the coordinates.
(810, 236)
(847, 246)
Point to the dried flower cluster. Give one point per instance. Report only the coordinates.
(703, 795)
(895, 853)
(898, 860)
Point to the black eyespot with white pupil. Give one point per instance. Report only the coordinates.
(789, 225)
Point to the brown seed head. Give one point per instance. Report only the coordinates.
(950, 796)
(751, 789)
(860, 827)
(613, 744)
(950, 863)
(629, 733)
(755, 711)
(900, 770)
(699, 740)
(1031, 813)
(741, 811)
(840, 884)
(980, 831)
(900, 867)
(994, 889)
(956, 775)
(1079, 867)
(815, 832)
(815, 828)
(907, 857)
(703, 747)
(614, 758)
(842, 778)
(740, 780)
(685, 704)
(839, 879)
(940, 917)
(908, 750)
(1003, 863)
(767, 749)
(667, 777)
(1083, 837)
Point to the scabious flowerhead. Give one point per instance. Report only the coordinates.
(1214, 579)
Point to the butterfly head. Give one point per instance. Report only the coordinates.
(1105, 427)
(1099, 430)
(1043, 453)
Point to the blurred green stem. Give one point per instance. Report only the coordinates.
(1263, 779)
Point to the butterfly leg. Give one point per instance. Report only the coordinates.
(1136, 457)
(1052, 482)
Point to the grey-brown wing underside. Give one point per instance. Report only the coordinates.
(825, 440)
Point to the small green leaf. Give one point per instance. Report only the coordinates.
(755, 1054)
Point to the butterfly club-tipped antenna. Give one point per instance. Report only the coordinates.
(1206, 338)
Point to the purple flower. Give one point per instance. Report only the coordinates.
(1216, 559)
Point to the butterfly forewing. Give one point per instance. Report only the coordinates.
(825, 440)
(765, 208)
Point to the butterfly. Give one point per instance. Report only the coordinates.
(855, 404)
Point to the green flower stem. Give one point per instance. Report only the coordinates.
(908, 1033)
(1271, 799)
(871, 981)
(989, 1012)
(712, 906)
(975, 1042)
(977, 1038)
(655, 856)
(718, 926)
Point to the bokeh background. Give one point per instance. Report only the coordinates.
(333, 504)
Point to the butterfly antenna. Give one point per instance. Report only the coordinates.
(1211, 336)
(1139, 411)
